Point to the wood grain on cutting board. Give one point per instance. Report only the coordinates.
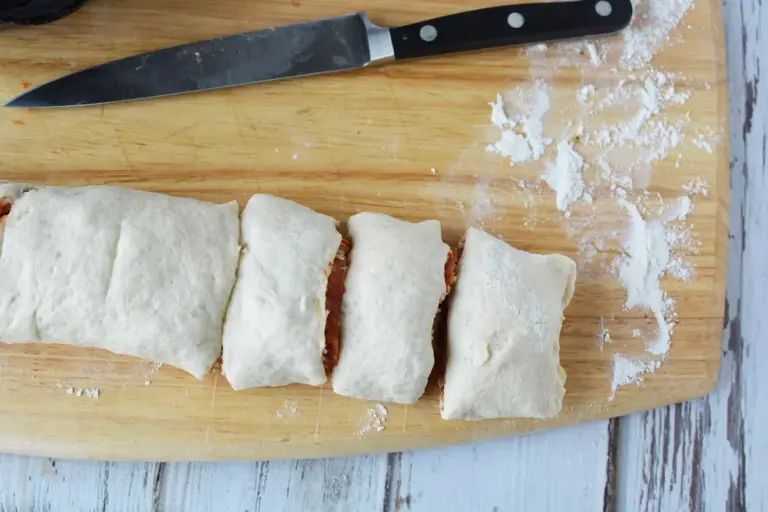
(360, 141)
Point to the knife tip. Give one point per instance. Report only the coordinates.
(18, 102)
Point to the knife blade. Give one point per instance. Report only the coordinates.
(324, 46)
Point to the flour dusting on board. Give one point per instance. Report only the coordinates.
(482, 203)
(647, 258)
(603, 334)
(650, 30)
(93, 393)
(697, 187)
(564, 177)
(596, 146)
(374, 420)
(518, 114)
(290, 409)
(629, 371)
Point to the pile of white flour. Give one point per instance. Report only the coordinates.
(374, 420)
(596, 147)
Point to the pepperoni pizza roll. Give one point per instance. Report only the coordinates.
(395, 284)
(504, 332)
(279, 319)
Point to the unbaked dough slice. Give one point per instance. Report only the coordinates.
(274, 333)
(394, 287)
(504, 332)
(133, 272)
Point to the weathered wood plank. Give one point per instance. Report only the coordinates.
(353, 483)
(754, 383)
(558, 470)
(754, 296)
(40, 484)
(708, 454)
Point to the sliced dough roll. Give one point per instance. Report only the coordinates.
(504, 332)
(275, 331)
(394, 287)
(132, 272)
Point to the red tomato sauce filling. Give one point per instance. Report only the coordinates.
(333, 296)
(450, 270)
(441, 327)
(5, 209)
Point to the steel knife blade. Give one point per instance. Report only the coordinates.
(324, 46)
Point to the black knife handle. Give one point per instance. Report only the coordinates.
(510, 25)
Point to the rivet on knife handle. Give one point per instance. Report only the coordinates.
(510, 25)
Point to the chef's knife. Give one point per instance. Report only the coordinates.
(323, 46)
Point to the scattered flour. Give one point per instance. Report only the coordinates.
(650, 30)
(603, 334)
(630, 371)
(701, 143)
(646, 258)
(290, 409)
(143, 372)
(374, 420)
(640, 131)
(564, 176)
(648, 133)
(585, 94)
(518, 114)
(596, 57)
(94, 393)
(482, 203)
(697, 187)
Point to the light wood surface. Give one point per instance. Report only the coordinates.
(360, 141)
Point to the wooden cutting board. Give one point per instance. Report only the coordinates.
(407, 140)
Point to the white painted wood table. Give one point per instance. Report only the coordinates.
(704, 455)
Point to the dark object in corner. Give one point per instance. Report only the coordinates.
(36, 12)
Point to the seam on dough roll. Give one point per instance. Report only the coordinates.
(504, 325)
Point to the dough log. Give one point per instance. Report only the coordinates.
(132, 272)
